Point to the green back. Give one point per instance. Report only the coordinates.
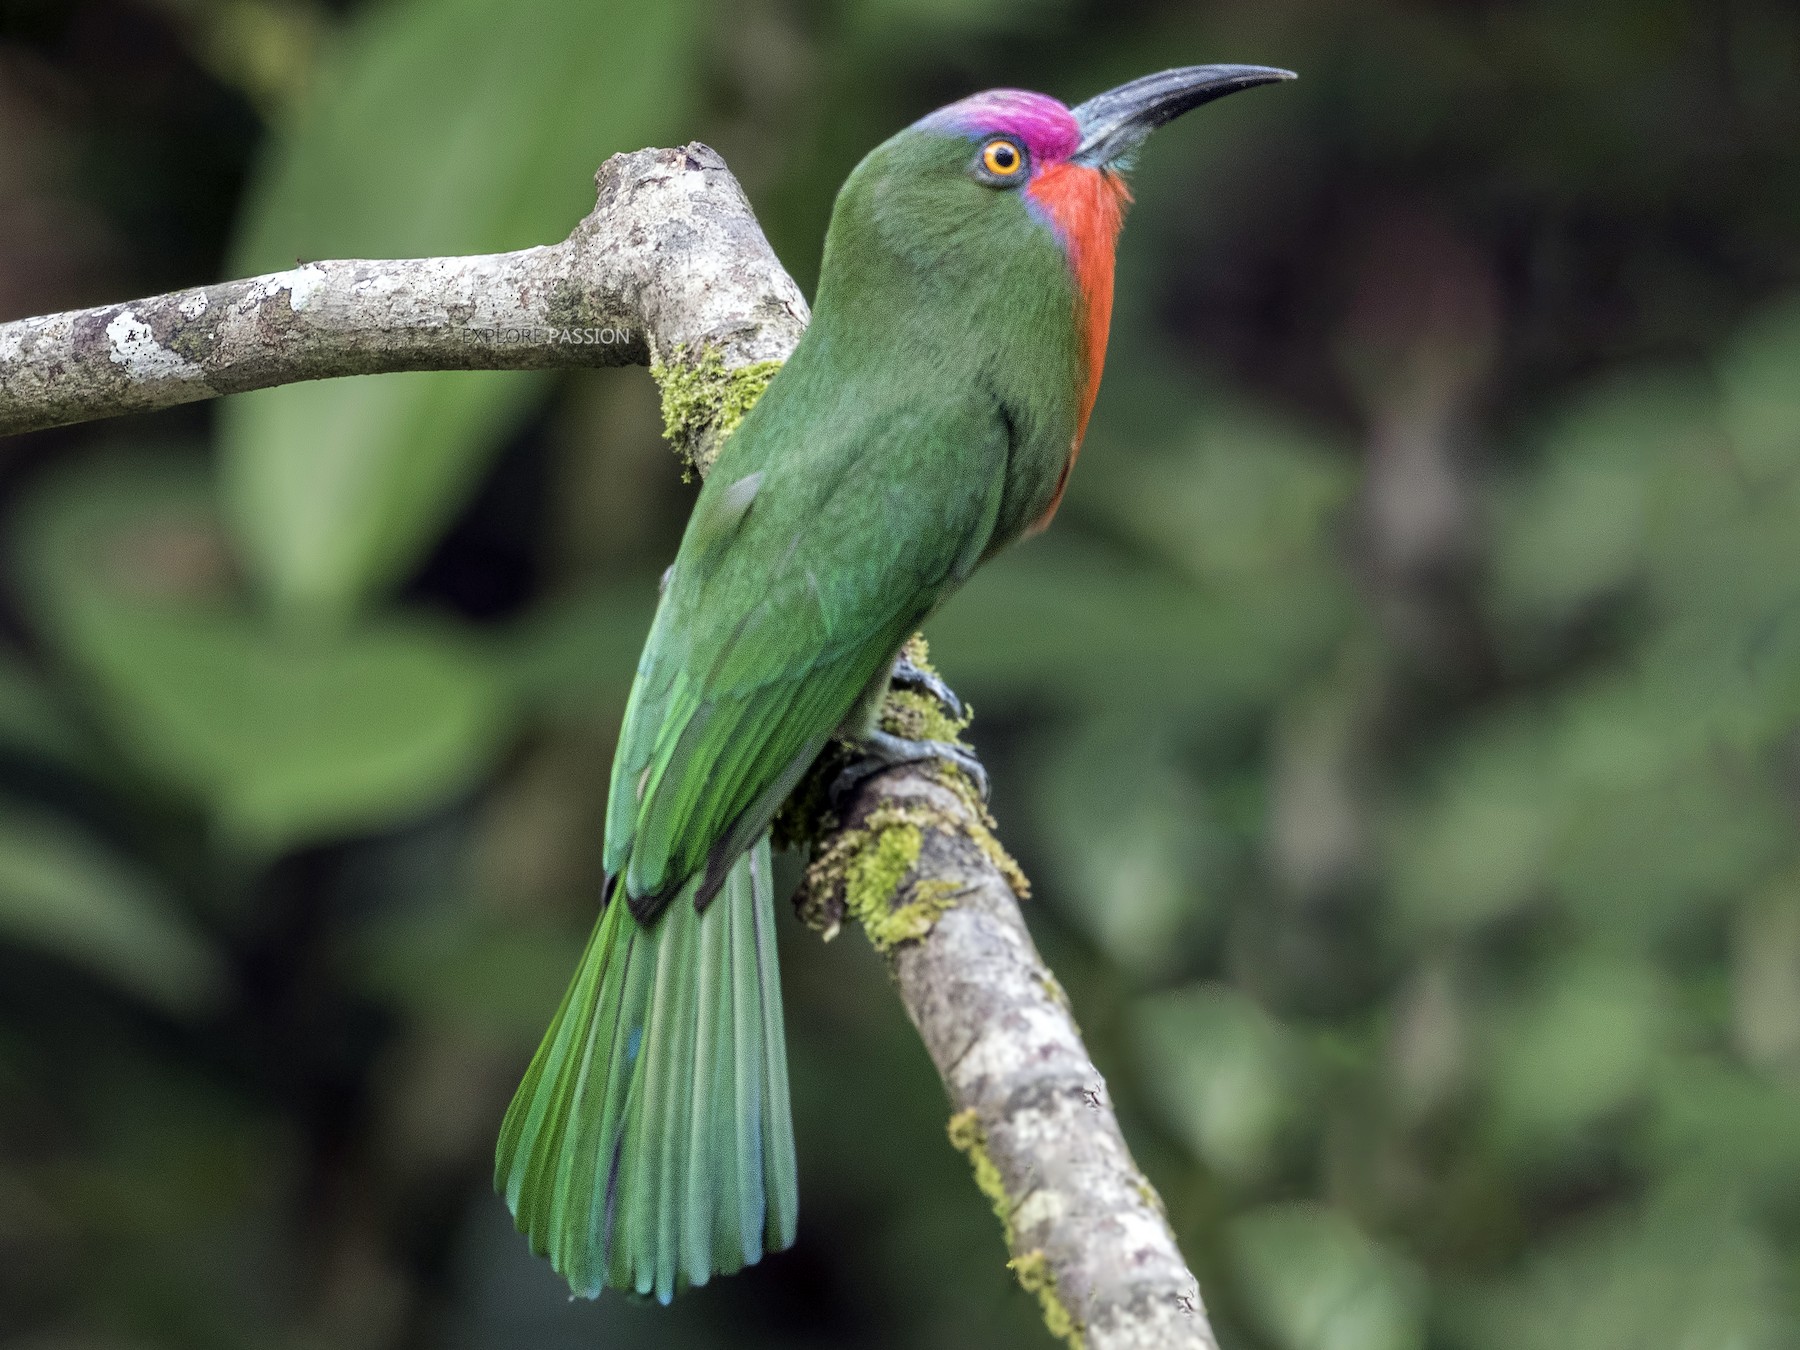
(922, 423)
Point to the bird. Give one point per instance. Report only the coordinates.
(929, 416)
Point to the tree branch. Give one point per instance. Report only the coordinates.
(670, 257)
(673, 265)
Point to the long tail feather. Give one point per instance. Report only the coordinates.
(651, 1145)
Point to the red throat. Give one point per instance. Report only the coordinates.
(1087, 206)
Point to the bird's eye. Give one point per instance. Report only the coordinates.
(1002, 157)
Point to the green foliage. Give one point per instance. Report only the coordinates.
(1228, 1079)
(1580, 1046)
(284, 737)
(1761, 410)
(1316, 1283)
(435, 127)
(1138, 870)
(1682, 1271)
(33, 722)
(1427, 885)
(63, 891)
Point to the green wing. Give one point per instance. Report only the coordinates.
(807, 562)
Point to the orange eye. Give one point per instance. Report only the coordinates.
(1001, 158)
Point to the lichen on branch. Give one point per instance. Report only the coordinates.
(1030, 1267)
(704, 400)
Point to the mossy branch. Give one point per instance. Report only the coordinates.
(1030, 1267)
(703, 399)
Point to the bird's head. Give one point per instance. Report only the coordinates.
(1009, 153)
(970, 207)
(1062, 159)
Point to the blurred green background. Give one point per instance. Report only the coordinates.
(1399, 723)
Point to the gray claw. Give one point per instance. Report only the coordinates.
(908, 676)
(884, 750)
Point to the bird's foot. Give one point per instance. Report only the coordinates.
(909, 676)
(884, 750)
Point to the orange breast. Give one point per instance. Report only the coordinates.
(1088, 208)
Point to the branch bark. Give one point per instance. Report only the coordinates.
(673, 264)
(670, 258)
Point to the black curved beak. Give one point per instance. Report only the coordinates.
(1117, 122)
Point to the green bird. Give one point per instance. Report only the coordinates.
(929, 417)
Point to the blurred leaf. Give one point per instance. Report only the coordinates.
(1315, 1282)
(1577, 528)
(1766, 977)
(1687, 1274)
(266, 48)
(1225, 1077)
(1734, 1133)
(1129, 832)
(1643, 856)
(1427, 1048)
(573, 649)
(1318, 816)
(1761, 376)
(1474, 846)
(33, 721)
(1065, 618)
(285, 737)
(63, 891)
(138, 530)
(1579, 1047)
(437, 127)
(1241, 500)
(459, 967)
(941, 19)
(291, 741)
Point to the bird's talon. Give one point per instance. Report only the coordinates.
(909, 676)
(884, 750)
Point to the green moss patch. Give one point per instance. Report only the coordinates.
(703, 401)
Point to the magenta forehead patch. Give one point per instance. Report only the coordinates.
(1048, 129)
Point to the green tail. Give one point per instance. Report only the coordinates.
(651, 1143)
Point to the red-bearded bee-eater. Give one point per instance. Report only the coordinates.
(929, 417)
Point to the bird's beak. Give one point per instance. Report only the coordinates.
(1117, 122)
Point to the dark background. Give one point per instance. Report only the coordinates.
(1399, 723)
